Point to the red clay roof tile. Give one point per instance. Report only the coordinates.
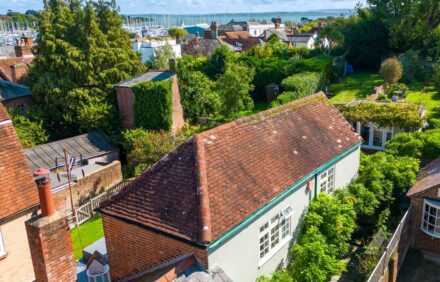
(248, 162)
(428, 177)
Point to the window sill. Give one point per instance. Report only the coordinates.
(272, 252)
(430, 233)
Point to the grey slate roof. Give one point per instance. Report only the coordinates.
(89, 145)
(148, 76)
(300, 38)
(10, 90)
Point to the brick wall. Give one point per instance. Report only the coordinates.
(22, 101)
(102, 179)
(51, 248)
(421, 240)
(178, 121)
(126, 100)
(132, 249)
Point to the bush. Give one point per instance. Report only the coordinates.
(29, 128)
(282, 99)
(406, 144)
(153, 105)
(415, 68)
(391, 70)
(400, 88)
(436, 76)
(302, 84)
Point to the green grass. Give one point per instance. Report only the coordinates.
(89, 232)
(357, 85)
(258, 107)
(424, 95)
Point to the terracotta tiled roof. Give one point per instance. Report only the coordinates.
(241, 37)
(428, 177)
(17, 188)
(221, 176)
(5, 66)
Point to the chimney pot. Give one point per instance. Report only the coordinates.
(42, 181)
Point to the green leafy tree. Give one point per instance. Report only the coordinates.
(219, 60)
(406, 145)
(277, 276)
(312, 258)
(233, 87)
(80, 58)
(162, 57)
(29, 128)
(328, 38)
(177, 32)
(198, 98)
(391, 70)
(335, 219)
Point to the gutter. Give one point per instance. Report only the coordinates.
(254, 216)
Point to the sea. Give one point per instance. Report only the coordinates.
(223, 18)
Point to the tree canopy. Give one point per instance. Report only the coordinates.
(82, 52)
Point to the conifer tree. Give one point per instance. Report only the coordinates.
(82, 52)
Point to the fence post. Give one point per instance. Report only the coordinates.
(91, 208)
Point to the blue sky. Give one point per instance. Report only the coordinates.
(200, 6)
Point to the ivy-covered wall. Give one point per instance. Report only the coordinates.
(153, 108)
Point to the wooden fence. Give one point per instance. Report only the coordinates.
(88, 210)
(401, 235)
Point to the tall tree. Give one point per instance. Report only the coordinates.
(81, 55)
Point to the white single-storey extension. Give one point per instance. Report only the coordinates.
(147, 48)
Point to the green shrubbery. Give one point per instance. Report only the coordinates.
(424, 144)
(29, 127)
(302, 84)
(153, 107)
(391, 70)
(282, 99)
(397, 89)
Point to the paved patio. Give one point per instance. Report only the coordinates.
(416, 268)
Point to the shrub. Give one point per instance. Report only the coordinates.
(29, 128)
(302, 84)
(130, 136)
(415, 68)
(406, 144)
(436, 76)
(313, 259)
(391, 70)
(153, 105)
(397, 89)
(434, 123)
(282, 99)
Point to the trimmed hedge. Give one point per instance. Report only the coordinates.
(302, 84)
(153, 109)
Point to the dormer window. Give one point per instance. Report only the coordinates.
(431, 218)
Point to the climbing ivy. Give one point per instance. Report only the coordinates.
(402, 115)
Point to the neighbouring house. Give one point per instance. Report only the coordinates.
(14, 69)
(19, 201)
(425, 209)
(257, 29)
(95, 167)
(198, 46)
(303, 40)
(232, 196)
(241, 40)
(14, 95)
(148, 47)
(126, 98)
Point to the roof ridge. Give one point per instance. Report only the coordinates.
(264, 114)
(202, 189)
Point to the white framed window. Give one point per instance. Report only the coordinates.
(327, 181)
(431, 218)
(2, 245)
(274, 234)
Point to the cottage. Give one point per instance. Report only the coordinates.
(233, 196)
(425, 209)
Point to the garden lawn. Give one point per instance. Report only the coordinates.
(89, 232)
(357, 85)
(424, 95)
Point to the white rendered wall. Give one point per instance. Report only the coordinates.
(239, 257)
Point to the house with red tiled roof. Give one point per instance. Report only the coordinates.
(19, 200)
(425, 209)
(233, 196)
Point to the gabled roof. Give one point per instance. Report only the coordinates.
(89, 145)
(6, 64)
(17, 188)
(10, 90)
(219, 177)
(428, 177)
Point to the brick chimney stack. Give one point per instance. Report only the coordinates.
(49, 237)
(23, 48)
